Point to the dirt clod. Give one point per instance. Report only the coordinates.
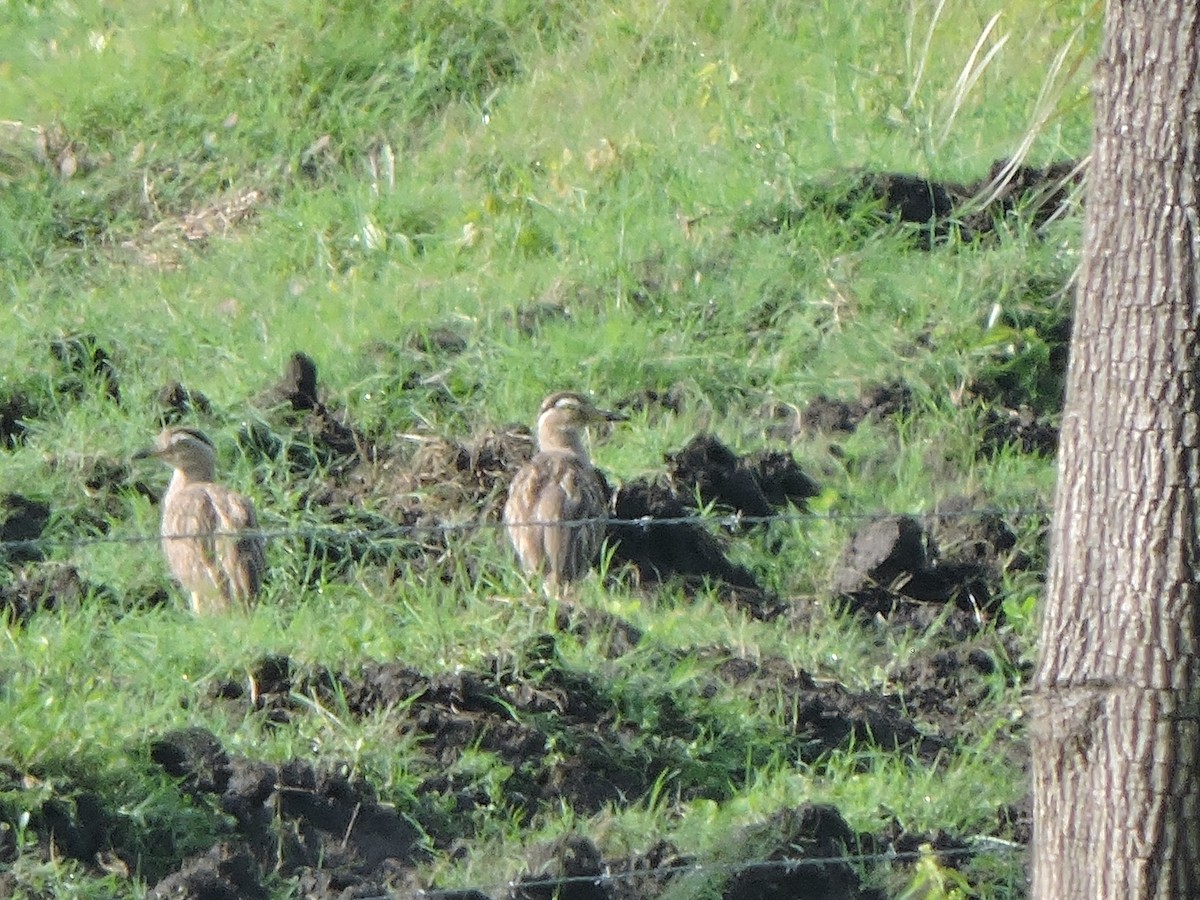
(661, 550)
(64, 818)
(832, 716)
(670, 400)
(45, 586)
(320, 436)
(530, 317)
(298, 386)
(1021, 428)
(966, 535)
(707, 467)
(21, 519)
(943, 686)
(828, 414)
(78, 827)
(880, 553)
(224, 873)
(195, 756)
(441, 340)
(948, 850)
(826, 716)
(85, 363)
(1039, 193)
(782, 480)
(617, 636)
(893, 561)
(936, 211)
(645, 536)
(815, 832)
(648, 874)
(16, 408)
(1016, 820)
(569, 868)
(291, 817)
(176, 403)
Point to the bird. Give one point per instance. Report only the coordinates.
(559, 485)
(209, 533)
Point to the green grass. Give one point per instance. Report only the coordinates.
(461, 165)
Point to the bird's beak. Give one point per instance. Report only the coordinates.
(146, 453)
(608, 415)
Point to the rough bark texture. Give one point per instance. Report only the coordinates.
(1116, 741)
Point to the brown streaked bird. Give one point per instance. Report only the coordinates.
(207, 530)
(559, 485)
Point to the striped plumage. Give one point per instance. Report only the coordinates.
(215, 567)
(558, 485)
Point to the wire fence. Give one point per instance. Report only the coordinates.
(552, 886)
(406, 531)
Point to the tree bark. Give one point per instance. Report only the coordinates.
(1116, 736)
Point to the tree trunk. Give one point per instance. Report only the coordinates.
(1116, 741)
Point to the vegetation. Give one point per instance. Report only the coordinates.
(455, 208)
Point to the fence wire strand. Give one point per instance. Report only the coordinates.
(402, 531)
(984, 846)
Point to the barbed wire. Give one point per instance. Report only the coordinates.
(985, 846)
(402, 531)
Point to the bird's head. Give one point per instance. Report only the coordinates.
(563, 418)
(185, 449)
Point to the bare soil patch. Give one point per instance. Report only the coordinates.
(652, 534)
(935, 212)
(317, 436)
(517, 709)
(85, 365)
(46, 586)
(753, 486)
(22, 519)
(1023, 428)
(825, 715)
(177, 402)
(16, 408)
(290, 820)
(892, 566)
(876, 403)
(327, 832)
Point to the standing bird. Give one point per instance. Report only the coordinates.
(559, 485)
(208, 531)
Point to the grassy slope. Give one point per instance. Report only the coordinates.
(538, 157)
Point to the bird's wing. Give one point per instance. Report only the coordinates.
(556, 488)
(188, 527)
(571, 494)
(588, 502)
(520, 509)
(242, 556)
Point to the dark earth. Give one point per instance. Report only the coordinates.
(328, 830)
(937, 212)
(563, 735)
(558, 736)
